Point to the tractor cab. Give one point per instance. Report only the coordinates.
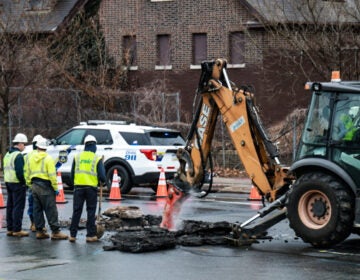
(331, 135)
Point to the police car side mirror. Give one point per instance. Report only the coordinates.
(53, 142)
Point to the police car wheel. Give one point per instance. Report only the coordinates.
(124, 178)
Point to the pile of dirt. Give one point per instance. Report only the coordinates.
(137, 233)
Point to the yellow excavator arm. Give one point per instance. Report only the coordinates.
(238, 111)
(256, 152)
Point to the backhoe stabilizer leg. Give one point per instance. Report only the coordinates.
(174, 200)
(249, 232)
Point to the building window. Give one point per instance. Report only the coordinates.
(237, 47)
(199, 48)
(163, 50)
(129, 51)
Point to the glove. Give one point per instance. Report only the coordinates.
(57, 193)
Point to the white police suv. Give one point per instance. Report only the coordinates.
(136, 152)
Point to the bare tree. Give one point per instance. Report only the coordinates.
(154, 104)
(297, 41)
(20, 67)
(307, 38)
(79, 55)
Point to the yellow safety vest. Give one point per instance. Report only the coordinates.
(43, 169)
(349, 126)
(86, 169)
(9, 167)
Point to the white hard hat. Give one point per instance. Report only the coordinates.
(89, 138)
(42, 143)
(36, 138)
(20, 138)
(354, 110)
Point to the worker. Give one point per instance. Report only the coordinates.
(16, 186)
(86, 173)
(42, 177)
(347, 124)
(30, 196)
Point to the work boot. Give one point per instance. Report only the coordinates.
(92, 239)
(9, 233)
(20, 233)
(32, 227)
(42, 235)
(58, 236)
(72, 239)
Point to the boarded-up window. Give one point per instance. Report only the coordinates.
(237, 47)
(199, 48)
(129, 50)
(163, 50)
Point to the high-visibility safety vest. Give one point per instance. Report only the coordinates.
(43, 168)
(349, 126)
(86, 169)
(9, 167)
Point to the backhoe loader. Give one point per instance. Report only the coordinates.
(319, 193)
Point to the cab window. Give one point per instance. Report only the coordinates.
(347, 118)
(317, 125)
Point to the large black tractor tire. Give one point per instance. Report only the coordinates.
(124, 177)
(320, 209)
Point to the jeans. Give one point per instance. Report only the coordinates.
(82, 195)
(16, 197)
(45, 201)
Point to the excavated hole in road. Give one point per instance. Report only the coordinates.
(135, 232)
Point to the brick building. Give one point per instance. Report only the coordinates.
(167, 39)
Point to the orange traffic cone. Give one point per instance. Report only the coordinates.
(115, 193)
(2, 204)
(60, 198)
(254, 194)
(162, 188)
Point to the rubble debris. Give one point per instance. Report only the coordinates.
(127, 217)
(124, 212)
(145, 240)
(135, 233)
(198, 233)
(129, 230)
(153, 238)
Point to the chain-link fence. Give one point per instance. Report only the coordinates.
(50, 112)
(44, 111)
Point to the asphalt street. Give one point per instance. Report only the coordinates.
(283, 257)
